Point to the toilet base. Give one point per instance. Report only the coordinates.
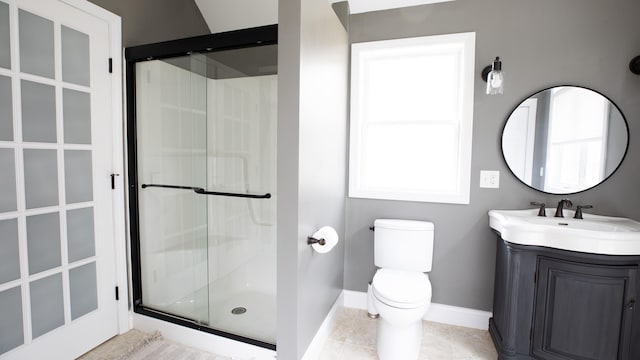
(371, 307)
(399, 341)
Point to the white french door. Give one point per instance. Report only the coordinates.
(57, 231)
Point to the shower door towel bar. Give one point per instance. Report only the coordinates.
(202, 191)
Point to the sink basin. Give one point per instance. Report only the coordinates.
(594, 234)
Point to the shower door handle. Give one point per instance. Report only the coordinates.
(217, 193)
(202, 191)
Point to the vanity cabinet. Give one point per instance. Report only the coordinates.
(558, 304)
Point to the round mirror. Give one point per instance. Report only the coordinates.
(565, 139)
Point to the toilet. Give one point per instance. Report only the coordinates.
(400, 292)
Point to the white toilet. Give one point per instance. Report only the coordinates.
(401, 291)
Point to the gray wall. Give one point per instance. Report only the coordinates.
(542, 43)
(149, 21)
(312, 137)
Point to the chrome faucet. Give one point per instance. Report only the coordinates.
(561, 204)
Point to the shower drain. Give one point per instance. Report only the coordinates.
(239, 310)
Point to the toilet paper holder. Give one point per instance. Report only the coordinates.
(323, 240)
(311, 240)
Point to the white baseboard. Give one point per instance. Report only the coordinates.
(459, 316)
(446, 314)
(355, 299)
(316, 345)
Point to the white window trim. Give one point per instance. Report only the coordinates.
(462, 193)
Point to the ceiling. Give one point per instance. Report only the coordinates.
(361, 6)
(227, 15)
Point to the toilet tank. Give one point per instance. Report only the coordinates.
(403, 244)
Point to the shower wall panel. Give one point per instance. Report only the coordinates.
(241, 158)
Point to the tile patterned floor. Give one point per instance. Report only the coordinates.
(354, 338)
(137, 345)
(116, 347)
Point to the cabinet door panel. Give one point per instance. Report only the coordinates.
(580, 310)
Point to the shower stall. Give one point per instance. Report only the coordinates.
(202, 180)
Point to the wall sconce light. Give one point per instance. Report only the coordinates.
(634, 65)
(494, 76)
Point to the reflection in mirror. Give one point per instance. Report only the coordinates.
(564, 140)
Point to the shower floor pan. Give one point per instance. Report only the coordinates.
(248, 313)
(258, 321)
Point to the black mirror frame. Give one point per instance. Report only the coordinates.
(626, 150)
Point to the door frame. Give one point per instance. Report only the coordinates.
(114, 23)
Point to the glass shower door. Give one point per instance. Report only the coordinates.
(171, 139)
(204, 228)
(241, 124)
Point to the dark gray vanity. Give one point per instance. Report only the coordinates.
(566, 286)
(558, 304)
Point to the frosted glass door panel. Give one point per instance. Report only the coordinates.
(38, 112)
(36, 44)
(6, 109)
(75, 56)
(78, 178)
(83, 290)
(80, 234)
(43, 242)
(11, 319)
(47, 304)
(9, 256)
(76, 113)
(5, 39)
(7, 181)
(41, 178)
(171, 142)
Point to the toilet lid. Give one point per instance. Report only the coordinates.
(401, 288)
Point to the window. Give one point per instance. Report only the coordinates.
(412, 118)
(576, 151)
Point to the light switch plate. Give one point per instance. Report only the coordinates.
(489, 179)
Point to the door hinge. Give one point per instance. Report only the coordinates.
(113, 181)
(530, 333)
(117, 294)
(110, 65)
(535, 277)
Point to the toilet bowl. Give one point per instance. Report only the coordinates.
(400, 292)
(401, 298)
